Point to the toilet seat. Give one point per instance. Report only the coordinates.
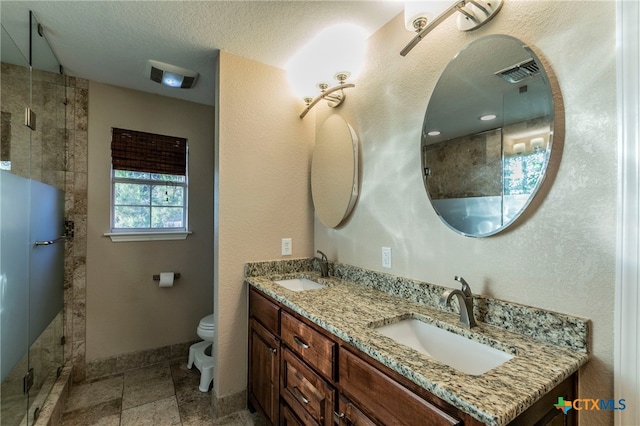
(207, 322)
(206, 328)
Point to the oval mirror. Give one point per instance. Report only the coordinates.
(487, 134)
(334, 171)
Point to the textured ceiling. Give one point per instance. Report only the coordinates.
(111, 41)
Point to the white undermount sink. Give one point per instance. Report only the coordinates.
(465, 355)
(299, 284)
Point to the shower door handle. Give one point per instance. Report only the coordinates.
(49, 242)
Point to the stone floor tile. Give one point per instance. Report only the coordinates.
(163, 412)
(90, 394)
(241, 418)
(165, 394)
(142, 392)
(196, 412)
(106, 413)
(147, 373)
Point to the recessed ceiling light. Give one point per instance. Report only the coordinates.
(434, 133)
(488, 117)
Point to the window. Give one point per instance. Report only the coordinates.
(522, 172)
(149, 182)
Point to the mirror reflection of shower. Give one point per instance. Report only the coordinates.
(487, 136)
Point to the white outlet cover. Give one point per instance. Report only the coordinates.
(386, 257)
(286, 247)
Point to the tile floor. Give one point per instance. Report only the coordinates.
(162, 394)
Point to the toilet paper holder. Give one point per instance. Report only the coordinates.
(175, 276)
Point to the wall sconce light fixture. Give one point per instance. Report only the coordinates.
(335, 54)
(424, 16)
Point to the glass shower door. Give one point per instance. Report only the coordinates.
(15, 149)
(32, 178)
(47, 248)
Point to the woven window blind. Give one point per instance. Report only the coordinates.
(147, 152)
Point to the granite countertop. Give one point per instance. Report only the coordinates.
(351, 311)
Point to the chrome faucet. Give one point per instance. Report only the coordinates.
(324, 264)
(465, 301)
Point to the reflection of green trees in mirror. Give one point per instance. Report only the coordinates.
(522, 172)
(148, 200)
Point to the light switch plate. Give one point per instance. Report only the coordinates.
(286, 247)
(386, 257)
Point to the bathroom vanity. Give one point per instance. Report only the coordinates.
(317, 358)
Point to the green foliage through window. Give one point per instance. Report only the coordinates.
(148, 201)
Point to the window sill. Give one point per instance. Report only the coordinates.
(120, 237)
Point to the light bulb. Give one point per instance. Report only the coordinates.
(337, 49)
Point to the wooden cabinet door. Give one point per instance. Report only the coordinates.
(394, 404)
(264, 370)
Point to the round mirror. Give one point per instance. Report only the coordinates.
(334, 171)
(487, 133)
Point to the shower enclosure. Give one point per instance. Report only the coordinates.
(32, 226)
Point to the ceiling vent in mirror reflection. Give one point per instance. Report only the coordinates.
(481, 174)
(334, 171)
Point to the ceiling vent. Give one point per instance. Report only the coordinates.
(171, 75)
(518, 72)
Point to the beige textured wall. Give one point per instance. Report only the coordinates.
(562, 257)
(262, 186)
(126, 311)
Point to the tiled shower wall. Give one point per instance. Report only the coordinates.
(48, 143)
(77, 97)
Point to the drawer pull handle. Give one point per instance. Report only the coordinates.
(300, 343)
(299, 395)
(273, 350)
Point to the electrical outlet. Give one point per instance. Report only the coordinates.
(386, 257)
(286, 247)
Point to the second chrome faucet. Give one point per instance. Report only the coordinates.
(465, 301)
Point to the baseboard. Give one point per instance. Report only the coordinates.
(228, 404)
(132, 360)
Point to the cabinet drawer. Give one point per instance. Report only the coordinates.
(317, 350)
(288, 417)
(394, 404)
(265, 311)
(308, 394)
(351, 416)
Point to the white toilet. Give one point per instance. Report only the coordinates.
(200, 353)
